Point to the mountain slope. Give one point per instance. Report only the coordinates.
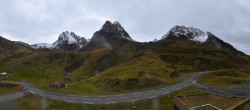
(11, 49)
(218, 43)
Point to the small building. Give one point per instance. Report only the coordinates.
(4, 75)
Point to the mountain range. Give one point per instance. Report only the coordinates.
(113, 33)
(112, 60)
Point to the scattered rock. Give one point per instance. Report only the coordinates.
(174, 74)
(58, 85)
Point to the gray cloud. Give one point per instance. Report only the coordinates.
(36, 21)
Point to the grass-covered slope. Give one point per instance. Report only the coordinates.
(10, 49)
(237, 78)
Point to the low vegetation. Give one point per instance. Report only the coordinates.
(238, 78)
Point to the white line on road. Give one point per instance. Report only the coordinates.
(110, 99)
(120, 95)
(178, 88)
(148, 94)
(151, 97)
(70, 101)
(110, 102)
(96, 99)
(194, 81)
(166, 93)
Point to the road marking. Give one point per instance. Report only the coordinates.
(148, 94)
(194, 81)
(120, 95)
(70, 101)
(165, 92)
(151, 90)
(134, 100)
(31, 91)
(109, 98)
(152, 97)
(178, 88)
(110, 102)
(96, 99)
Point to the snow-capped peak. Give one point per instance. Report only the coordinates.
(187, 32)
(69, 37)
(66, 41)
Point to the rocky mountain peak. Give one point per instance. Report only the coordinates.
(111, 35)
(114, 28)
(183, 32)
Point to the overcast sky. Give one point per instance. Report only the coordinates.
(36, 21)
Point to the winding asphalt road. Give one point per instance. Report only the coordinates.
(122, 98)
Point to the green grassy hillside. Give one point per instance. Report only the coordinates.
(125, 68)
(237, 78)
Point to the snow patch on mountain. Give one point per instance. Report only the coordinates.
(202, 38)
(42, 45)
(118, 26)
